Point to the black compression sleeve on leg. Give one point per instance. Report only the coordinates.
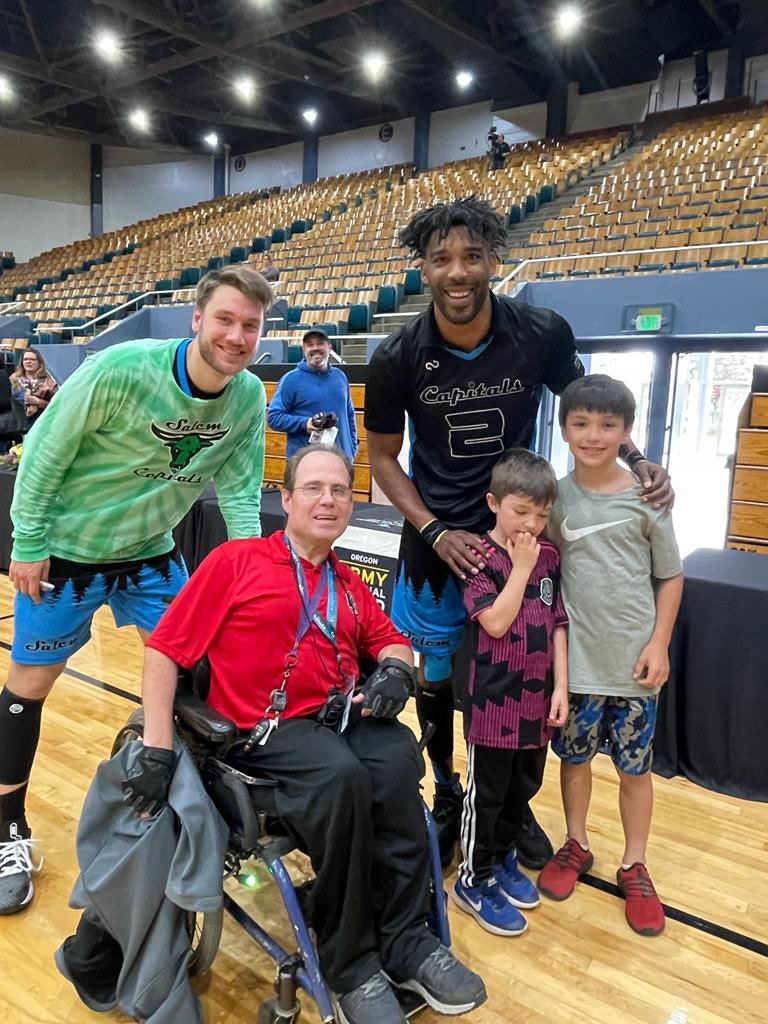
(436, 706)
(19, 734)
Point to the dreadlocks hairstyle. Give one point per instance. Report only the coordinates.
(481, 221)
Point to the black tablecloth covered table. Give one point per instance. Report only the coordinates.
(7, 480)
(713, 712)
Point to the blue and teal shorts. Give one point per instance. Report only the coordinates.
(137, 593)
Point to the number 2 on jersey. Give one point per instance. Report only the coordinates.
(475, 434)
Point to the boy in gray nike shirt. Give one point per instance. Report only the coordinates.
(622, 583)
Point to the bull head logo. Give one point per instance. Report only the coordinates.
(184, 447)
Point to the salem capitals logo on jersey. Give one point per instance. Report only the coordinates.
(434, 396)
(185, 440)
(547, 591)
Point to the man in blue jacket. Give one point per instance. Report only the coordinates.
(314, 387)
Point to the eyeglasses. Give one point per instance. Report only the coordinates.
(314, 491)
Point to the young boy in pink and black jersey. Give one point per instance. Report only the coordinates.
(518, 689)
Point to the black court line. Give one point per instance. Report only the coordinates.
(700, 924)
(99, 683)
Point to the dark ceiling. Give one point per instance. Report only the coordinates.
(180, 58)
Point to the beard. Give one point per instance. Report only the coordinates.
(465, 316)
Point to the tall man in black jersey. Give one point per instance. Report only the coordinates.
(468, 373)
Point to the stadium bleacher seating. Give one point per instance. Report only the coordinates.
(695, 197)
(334, 240)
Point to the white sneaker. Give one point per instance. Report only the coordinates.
(16, 869)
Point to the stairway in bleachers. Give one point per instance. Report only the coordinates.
(520, 234)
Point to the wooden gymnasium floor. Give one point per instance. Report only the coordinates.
(577, 964)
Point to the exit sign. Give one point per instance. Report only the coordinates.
(648, 321)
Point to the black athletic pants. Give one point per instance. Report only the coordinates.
(500, 783)
(352, 801)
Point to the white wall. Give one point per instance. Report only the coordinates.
(521, 124)
(139, 184)
(625, 105)
(44, 192)
(363, 150)
(280, 166)
(675, 86)
(756, 78)
(459, 133)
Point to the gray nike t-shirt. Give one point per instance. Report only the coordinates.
(611, 546)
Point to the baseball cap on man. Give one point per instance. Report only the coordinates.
(314, 332)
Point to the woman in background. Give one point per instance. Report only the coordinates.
(33, 385)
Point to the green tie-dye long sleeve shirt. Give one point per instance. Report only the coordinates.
(122, 453)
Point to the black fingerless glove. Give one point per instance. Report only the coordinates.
(388, 688)
(145, 787)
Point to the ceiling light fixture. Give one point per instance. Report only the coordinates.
(139, 119)
(211, 139)
(6, 89)
(567, 21)
(464, 79)
(374, 64)
(245, 87)
(107, 45)
(310, 115)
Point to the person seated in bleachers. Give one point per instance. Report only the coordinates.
(313, 398)
(284, 625)
(268, 270)
(33, 385)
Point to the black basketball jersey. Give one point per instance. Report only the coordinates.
(465, 409)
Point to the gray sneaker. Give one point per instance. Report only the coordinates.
(446, 984)
(373, 1002)
(16, 870)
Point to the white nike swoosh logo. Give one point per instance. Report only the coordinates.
(584, 531)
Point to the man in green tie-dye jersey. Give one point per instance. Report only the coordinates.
(116, 461)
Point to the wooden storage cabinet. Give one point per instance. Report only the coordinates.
(748, 511)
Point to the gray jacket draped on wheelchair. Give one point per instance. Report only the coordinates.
(138, 879)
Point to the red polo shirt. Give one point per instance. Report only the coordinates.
(242, 608)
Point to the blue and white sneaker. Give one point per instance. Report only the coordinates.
(490, 907)
(517, 887)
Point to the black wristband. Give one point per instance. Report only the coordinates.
(632, 458)
(432, 531)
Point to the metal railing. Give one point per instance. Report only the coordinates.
(124, 305)
(516, 270)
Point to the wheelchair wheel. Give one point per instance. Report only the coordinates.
(204, 930)
(132, 730)
(205, 934)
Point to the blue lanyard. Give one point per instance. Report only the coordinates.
(310, 606)
(181, 367)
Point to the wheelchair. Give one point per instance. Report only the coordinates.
(246, 803)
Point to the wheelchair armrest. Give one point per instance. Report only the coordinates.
(202, 719)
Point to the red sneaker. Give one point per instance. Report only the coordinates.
(558, 878)
(643, 909)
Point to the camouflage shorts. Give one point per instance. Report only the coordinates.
(622, 726)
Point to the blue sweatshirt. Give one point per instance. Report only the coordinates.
(303, 392)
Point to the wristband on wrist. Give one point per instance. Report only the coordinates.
(632, 458)
(433, 531)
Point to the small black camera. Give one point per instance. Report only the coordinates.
(324, 420)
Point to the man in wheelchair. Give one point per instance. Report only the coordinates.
(284, 625)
